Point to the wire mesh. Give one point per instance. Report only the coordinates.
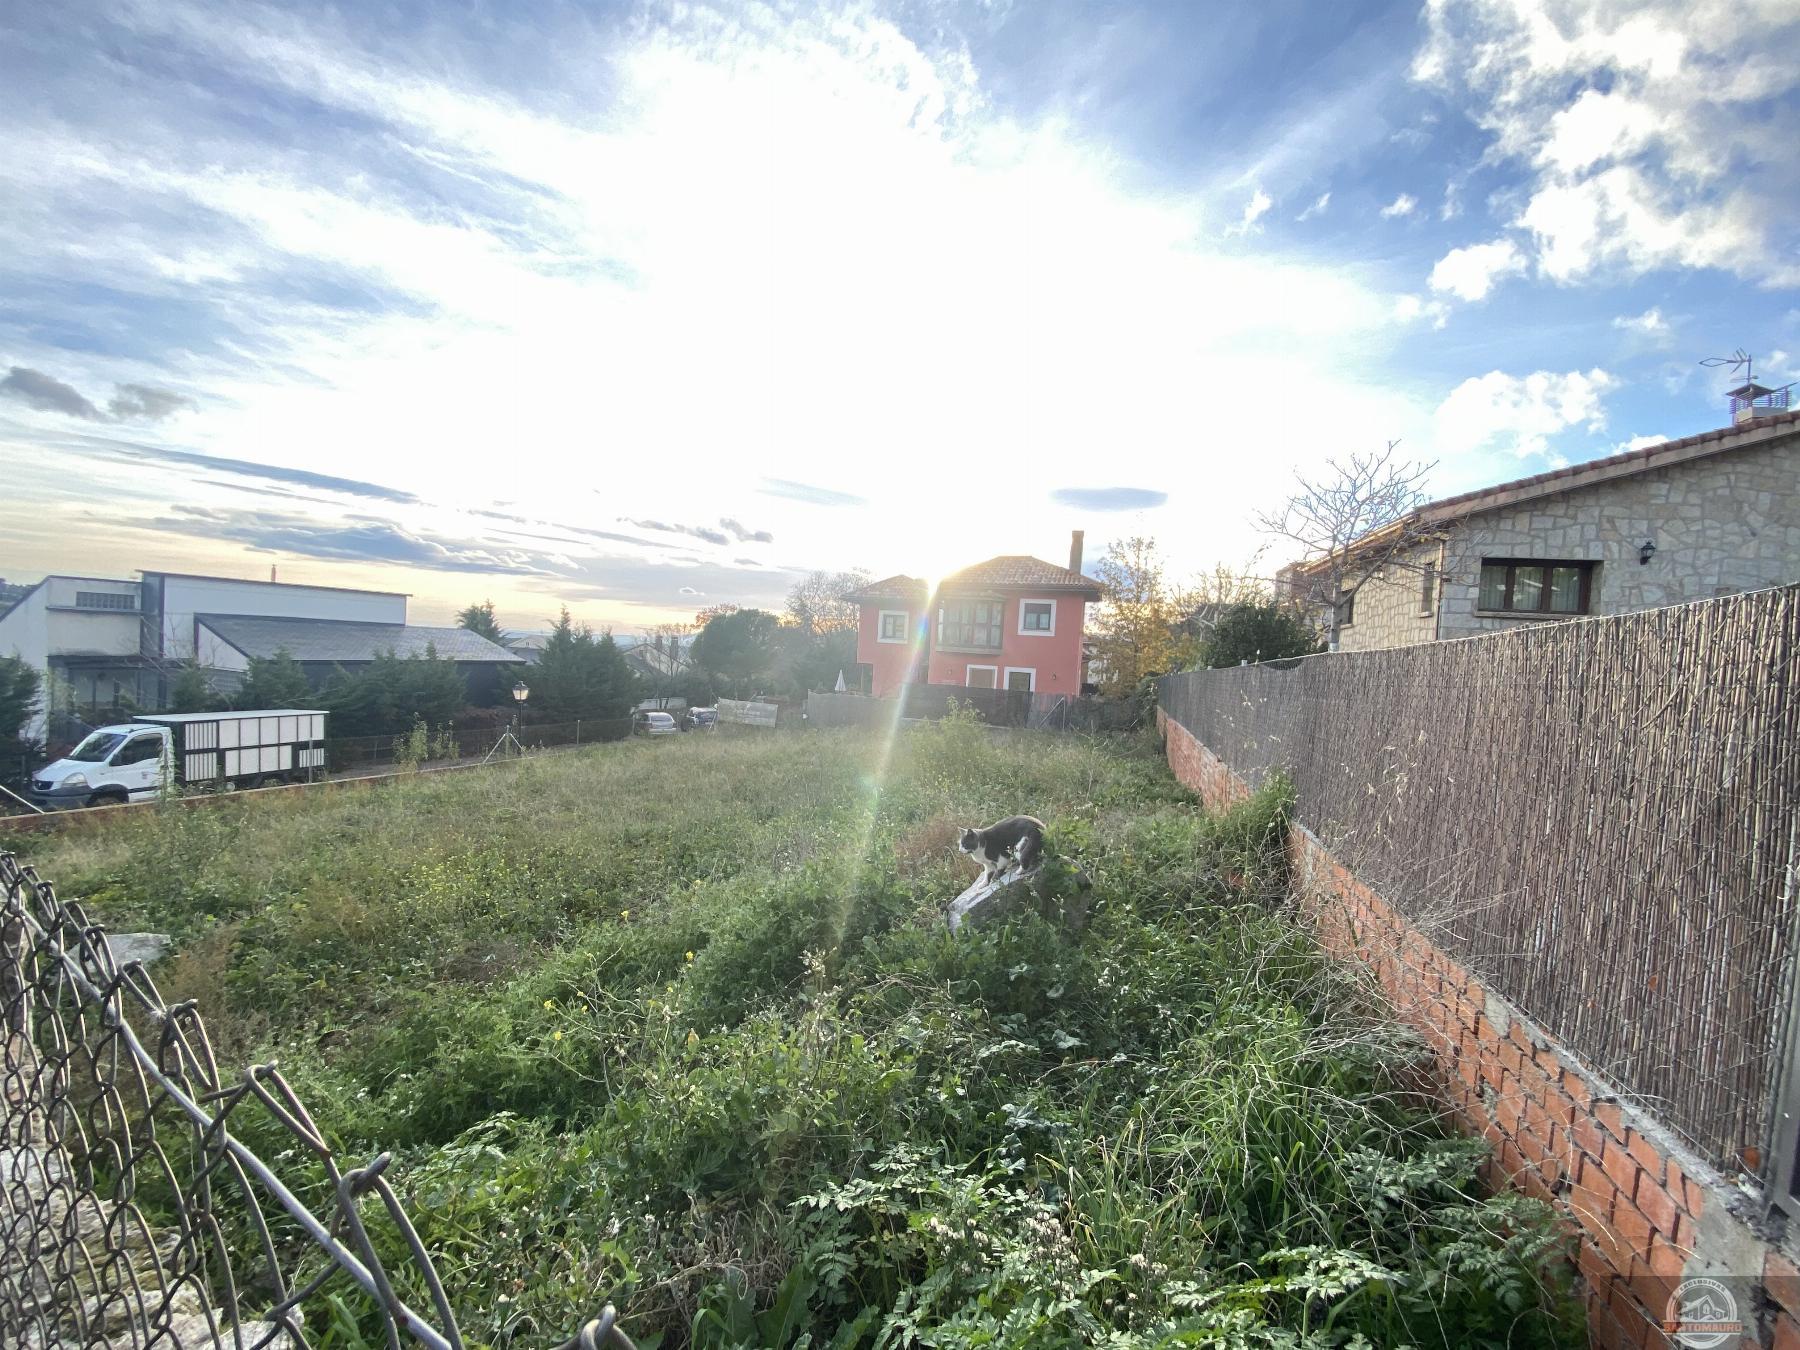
(1599, 817)
(132, 1213)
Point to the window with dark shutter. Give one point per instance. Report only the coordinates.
(1536, 586)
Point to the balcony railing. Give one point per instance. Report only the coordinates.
(1775, 400)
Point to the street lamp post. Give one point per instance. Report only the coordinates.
(520, 692)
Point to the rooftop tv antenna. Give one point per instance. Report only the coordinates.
(1738, 360)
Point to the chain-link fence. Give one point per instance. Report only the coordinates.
(132, 1212)
(1601, 817)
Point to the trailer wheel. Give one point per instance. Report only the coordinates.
(109, 797)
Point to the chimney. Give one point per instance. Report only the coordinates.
(1075, 550)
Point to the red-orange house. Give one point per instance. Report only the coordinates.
(1012, 622)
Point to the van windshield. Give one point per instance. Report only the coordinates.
(96, 747)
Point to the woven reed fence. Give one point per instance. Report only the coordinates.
(1599, 817)
(132, 1211)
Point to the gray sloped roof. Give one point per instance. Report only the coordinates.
(344, 640)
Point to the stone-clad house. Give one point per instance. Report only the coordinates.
(1706, 515)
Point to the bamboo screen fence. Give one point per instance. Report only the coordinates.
(1599, 817)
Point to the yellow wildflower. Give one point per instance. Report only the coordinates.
(556, 1035)
(690, 956)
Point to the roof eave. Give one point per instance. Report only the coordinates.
(1576, 477)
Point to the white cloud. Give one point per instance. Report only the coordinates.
(1651, 326)
(1403, 205)
(1410, 308)
(769, 237)
(1650, 131)
(1520, 413)
(1637, 443)
(1254, 210)
(1470, 273)
(1318, 208)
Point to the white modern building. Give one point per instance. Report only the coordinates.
(106, 645)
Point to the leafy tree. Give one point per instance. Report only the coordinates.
(191, 691)
(392, 693)
(1136, 628)
(480, 619)
(739, 648)
(819, 602)
(19, 686)
(695, 687)
(812, 661)
(711, 612)
(580, 676)
(1253, 631)
(275, 682)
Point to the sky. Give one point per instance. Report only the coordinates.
(645, 308)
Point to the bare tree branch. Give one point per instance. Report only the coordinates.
(1352, 522)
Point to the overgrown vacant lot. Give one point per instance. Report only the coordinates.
(678, 1024)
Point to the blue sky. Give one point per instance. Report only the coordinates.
(643, 308)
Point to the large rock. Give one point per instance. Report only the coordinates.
(145, 947)
(1062, 896)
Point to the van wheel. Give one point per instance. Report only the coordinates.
(109, 797)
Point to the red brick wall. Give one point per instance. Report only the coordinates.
(1635, 1199)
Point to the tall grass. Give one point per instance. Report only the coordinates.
(679, 1025)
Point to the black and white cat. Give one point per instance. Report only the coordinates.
(1017, 839)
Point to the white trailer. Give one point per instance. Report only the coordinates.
(159, 752)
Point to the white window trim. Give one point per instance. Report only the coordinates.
(1020, 670)
(881, 622)
(1037, 632)
(969, 669)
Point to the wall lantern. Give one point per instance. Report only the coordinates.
(1645, 550)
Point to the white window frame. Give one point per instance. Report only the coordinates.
(972, 667)
(1037, 632)
(1020, 670)
(881, 619)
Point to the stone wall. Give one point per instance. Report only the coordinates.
(1391, 610)
(1721, 524)
(1644, 1214)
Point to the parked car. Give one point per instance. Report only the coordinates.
(653, 724)
(137, 760)
(703, 719)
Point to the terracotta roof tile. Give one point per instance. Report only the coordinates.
(1010, 571)
(1020, 571)
(900, 587)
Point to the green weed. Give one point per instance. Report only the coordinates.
(680, 1026)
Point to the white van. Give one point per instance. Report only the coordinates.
(136, 761)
